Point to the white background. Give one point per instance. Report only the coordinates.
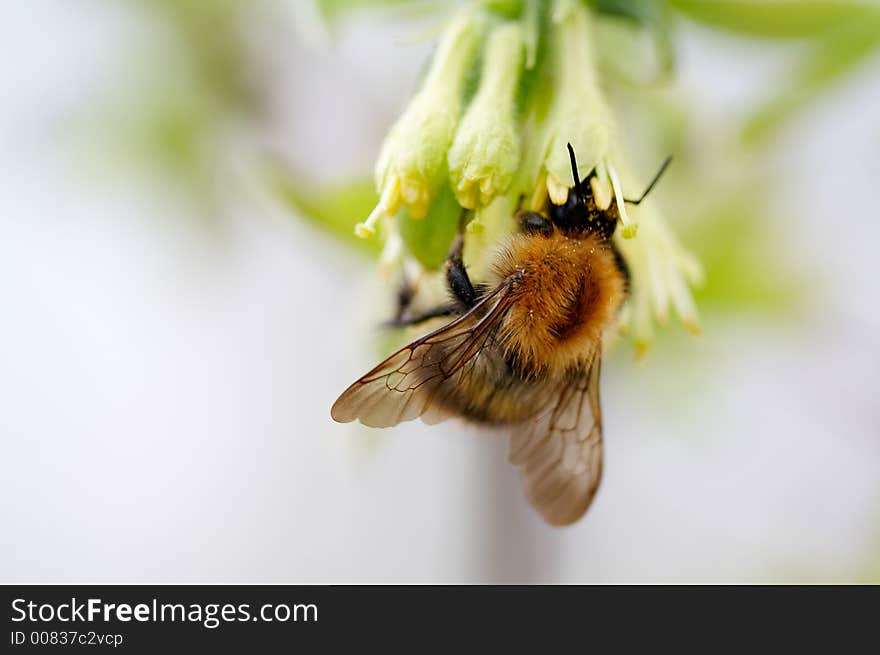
(165, 388)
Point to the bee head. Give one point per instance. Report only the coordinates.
(579, 214)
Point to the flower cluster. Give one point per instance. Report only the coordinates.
(504, 93)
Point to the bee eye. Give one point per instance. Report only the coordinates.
(533, 223)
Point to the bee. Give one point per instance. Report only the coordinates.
(522, 350)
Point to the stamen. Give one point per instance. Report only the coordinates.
(692, 268)
(538, 201)
(684, 305)
(629, 228)
(557, 190)
(660, 282)
(602, 192)
(367, 228)
(643, 329)
(390, 200)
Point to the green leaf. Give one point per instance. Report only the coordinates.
(428, 238)
(828, 61)
(778, 18)
(746, 270)
(334, 208)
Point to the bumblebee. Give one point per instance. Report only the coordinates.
(523, 350)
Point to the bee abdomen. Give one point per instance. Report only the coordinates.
(494, 392)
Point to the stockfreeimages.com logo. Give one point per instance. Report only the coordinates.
(210, 615)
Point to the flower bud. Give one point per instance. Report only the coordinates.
(412, 162)
(579, 114)
(486, 150)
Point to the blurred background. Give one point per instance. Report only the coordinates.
(175, 321)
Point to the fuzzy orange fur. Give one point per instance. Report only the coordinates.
(569, 293)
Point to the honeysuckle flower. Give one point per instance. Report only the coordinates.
(449, 156)
(412, 163)
(485, 152)
(580, 115)
(661, 271)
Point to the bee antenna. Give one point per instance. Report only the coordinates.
(574, 172)
(657, 177)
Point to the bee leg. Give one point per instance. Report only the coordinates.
(456, 274)
(404, 317)
(460, 284)
(402, 320)
(405, 296)
(404, 299)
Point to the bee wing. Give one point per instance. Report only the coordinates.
(405, 385)
(559, 452)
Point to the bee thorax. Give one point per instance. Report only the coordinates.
(567, 294)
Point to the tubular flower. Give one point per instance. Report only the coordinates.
(486, 149)
(412, 163)
(507, 89)
(580, 114)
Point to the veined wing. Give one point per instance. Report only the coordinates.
(405, 385)
(559, 452)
